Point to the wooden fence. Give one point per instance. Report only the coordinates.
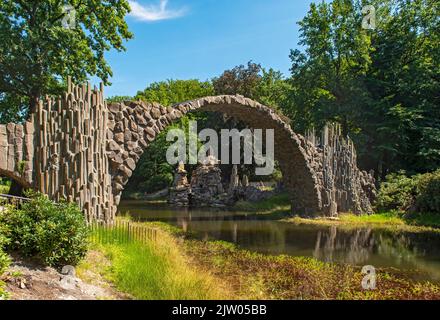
(121, 231)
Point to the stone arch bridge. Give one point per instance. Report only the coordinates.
(79, 148)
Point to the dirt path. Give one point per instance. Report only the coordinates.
(26, 279)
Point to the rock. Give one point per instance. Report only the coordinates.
(130, 163)
(126, 172)
(119, 137)
(155, 113)
(206, 185)
(112, 146)
(179, 193)
(150, 132)
(127, 135)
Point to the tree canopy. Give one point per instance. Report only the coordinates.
(38, 52)
(382, 85)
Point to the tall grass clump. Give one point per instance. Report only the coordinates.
(152, 270)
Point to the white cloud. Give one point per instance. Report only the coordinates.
(154, 12)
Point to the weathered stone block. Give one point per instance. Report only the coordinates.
(112, 146)
(130, 163)
(155, 113)
(119, 137)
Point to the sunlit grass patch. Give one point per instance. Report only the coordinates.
(377, 218)
(155, 269)
(388, 220)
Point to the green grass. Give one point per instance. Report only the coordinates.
(423, 219)
(154, 270)
(275, 203)
(387, 220)
(175, 267)
(258, 276)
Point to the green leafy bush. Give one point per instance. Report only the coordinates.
(419, 193)
(428, 196)
(4, 261)
(56, 232)
(397, 192)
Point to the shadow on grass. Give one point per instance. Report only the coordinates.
(423, 219)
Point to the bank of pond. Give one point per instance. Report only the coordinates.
(154, 251)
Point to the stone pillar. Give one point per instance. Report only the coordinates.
(179, 192)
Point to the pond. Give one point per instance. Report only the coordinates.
(417, 254)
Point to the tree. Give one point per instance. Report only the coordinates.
(328, 76)
(252, 81)
(239, 80)
(382, 85)
(272, 90)
(115, 99)
(37, 51)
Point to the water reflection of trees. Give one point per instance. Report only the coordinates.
(379, 247)
(367, 245)
(352, 247)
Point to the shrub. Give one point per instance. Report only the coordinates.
(397, 192)
(428, 193)
(56, 232)
(4, 258)
(4, 261)
(419, 193)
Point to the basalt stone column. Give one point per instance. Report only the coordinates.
(70, 137)
(17, 152)
(344, 187)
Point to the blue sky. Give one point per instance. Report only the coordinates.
(199, 39)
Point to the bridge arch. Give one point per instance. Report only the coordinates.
(79, 148)
(135, 125)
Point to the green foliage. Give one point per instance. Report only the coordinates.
(419, 193)
(428, 187)
(278, 202)
(174, 91)
(382, 85)
(152, 270)
(4, 257)
(5, 185)
(153, 172)
(115, 99)
(239, 80)
(397, 192)
(4, 262)
(261, 276)
(37, 50)
(56, 232)
(252, 81)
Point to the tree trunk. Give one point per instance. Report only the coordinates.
(16, 189)
(33, 103)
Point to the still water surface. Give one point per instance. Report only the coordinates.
(415, 253)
